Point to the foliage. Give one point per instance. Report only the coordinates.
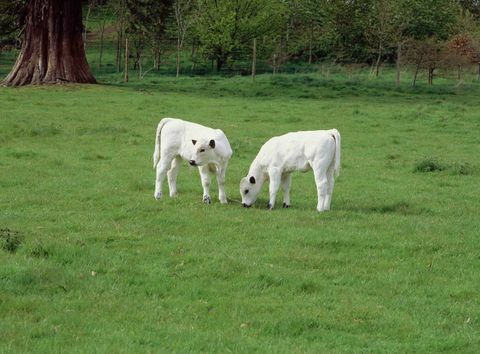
(12, 14)
(359, 32)
(225, 28)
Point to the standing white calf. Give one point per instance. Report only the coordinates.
(300, 151)
(201, 146)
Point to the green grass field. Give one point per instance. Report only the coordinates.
(90, 262)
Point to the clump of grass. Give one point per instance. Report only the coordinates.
(429, 164)
(23, 154)
(10, 240)
(462, 168)
(44, 131)
(38, 250)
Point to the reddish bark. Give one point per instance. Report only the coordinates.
(52, 49)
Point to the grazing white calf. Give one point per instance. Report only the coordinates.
(201, 146)
(300, 151)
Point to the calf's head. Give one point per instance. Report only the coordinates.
(203, 152)
(249, 190)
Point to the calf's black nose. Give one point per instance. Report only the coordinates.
(245, 205)
(192, 162)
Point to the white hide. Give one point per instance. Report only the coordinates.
(299, 151)
(207, 148)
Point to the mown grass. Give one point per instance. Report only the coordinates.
(99, 266)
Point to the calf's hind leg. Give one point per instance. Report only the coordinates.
(162, 168)
(330, 184)
(286, 184)
(172, 175)
(322, 187)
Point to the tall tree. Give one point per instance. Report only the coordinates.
(228, 27)
(145, 26)
(378, 32)
(183, 18)
(345, 29)
(304, 26)
(52, 48)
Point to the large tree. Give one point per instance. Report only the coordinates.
(52, 46)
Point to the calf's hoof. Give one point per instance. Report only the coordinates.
(269, 206)
(157, 195)
(223, 201)
(285, 205)
(206, 199)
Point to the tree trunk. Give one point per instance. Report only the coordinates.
(417, 68)
(221, 59)
(178, 55)
(126, 60)
(398, 63)
(85, 27)
(430, 76)
(101, 43)
(156, 58)
(254, 59)
(478, 73)
(377, 64)
(52, 49)
(140, 66)
(118, 58)
(310, 49)
(193, 55)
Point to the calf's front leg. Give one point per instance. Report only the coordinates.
(221, 183)
(172, 175)
(206, 180)
(275, 179)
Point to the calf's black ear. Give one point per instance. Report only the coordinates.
(194, 142)
(212, 144)
(252, 180)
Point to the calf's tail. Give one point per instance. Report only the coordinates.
(336, 135)
(156, 152)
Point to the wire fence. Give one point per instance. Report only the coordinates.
(107, 59)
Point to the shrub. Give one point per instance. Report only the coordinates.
(429, 165)
(10, 240)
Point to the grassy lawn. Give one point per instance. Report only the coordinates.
(90, 262)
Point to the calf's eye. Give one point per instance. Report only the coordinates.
(246, 191)
(202, 150)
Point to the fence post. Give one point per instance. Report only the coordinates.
(274, 63)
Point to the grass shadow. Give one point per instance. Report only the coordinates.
(400, 208)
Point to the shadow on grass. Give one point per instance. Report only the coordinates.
(401, 208)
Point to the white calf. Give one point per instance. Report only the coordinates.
(300, 151)
(201, 146)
